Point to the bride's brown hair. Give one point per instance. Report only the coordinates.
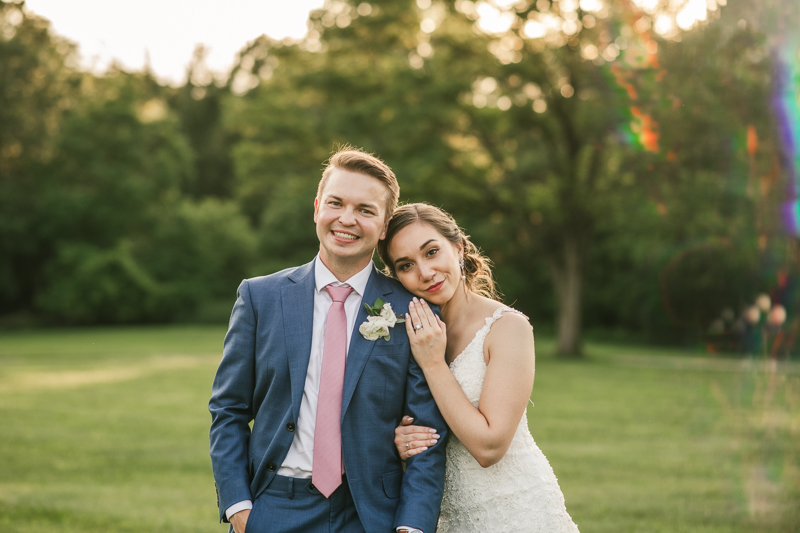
(477, 267)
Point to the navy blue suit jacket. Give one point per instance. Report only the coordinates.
(261, 379)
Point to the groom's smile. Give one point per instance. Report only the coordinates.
(343, 235)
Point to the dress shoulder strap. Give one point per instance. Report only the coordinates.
(499, 312)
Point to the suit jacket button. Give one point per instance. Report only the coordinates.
(271, 467)
(312, 487)
(290, 426)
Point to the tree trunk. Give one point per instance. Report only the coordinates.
(567, 278)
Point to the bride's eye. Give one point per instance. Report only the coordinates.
(432, 251)
(404, 267)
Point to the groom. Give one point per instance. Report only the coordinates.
(324, 400)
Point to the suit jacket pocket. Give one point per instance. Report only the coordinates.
(392, 482)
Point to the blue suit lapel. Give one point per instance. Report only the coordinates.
(297, 303)
(360, 348)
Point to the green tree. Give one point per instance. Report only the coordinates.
(570, 147)
(36, 86)
(199, 107)
(105, 181)
(300, 101)
(576, 114)
(129, 246)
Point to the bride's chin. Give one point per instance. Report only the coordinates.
(435, 299)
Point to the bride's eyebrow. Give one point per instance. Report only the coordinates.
(424, 245)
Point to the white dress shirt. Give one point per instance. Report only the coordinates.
(300, 459)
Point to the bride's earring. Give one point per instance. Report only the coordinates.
(463, 272)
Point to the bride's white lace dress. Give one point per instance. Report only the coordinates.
(519, 493)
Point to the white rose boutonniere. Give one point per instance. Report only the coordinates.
(374, 328)
(381, 318)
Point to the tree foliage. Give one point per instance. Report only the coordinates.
(620, 172)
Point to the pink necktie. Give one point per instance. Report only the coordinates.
(327, 470)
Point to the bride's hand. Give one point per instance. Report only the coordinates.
(426, 334)
(411, 440)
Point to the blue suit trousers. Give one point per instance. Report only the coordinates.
(292, 505)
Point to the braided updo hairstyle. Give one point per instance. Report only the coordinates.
(477, 267)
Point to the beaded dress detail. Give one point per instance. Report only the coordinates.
(519, 493)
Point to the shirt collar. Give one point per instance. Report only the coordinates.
(324, 277)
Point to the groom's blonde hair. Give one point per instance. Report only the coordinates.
(357, 160)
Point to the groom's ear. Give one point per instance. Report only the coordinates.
(316, 209)
(385, 228)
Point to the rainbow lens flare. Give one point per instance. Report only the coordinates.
(786, 102)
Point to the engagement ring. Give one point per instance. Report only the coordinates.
(418, 326)
(406, 446)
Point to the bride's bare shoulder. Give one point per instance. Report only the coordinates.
(485, 307)
(510, 344)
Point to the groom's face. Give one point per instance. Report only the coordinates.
(351, 217)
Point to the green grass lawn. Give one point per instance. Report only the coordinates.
(106, 430)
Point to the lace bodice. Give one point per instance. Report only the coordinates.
(520, 493)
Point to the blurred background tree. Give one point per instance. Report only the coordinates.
(36, 85)
(533, 132)
(620, 162)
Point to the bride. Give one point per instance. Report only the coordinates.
(479, 367)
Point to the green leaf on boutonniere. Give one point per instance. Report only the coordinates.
(376, 308)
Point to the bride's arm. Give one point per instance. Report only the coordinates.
(487, 431)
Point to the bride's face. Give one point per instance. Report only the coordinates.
(426, 263)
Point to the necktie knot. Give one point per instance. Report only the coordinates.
(339, 294)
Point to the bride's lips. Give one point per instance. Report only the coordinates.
(435, 288)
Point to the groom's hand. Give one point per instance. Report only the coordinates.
(239, 520)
